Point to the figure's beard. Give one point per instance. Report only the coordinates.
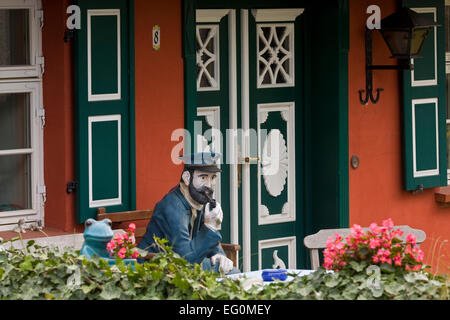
(201, 195)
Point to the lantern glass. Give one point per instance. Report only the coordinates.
(417, 40)
(398, 42)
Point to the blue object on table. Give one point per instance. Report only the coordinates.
(271, 274)
(97, 234)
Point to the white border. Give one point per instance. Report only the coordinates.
(290, 242)
(36, 152)
(289, 216)
(113, 201)
(107, 96)
(234, 196)
(431, 172)
(429, 82)
(245, 118)
(266, 15)
(291, 29)
(216, 43)
(210, 15)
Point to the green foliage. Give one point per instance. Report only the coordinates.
(48, 273)
(364, 282)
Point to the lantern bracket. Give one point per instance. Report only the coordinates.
(404, 64)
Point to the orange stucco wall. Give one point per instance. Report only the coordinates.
(375, 133)
(59, 129)
(159, 98)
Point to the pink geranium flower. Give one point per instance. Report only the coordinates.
(410, 238)
(132, 227)
(374, 228)
(379, 245)
(374, 243)
(122, 252)
(123, 245)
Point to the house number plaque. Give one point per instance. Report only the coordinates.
(156, 37)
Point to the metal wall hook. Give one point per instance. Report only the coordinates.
(369, 87)
(366, 99)
(369, 94)
(375, 100)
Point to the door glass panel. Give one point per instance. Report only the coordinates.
(275, 48)
(14, 121)
(15, 37)
(207, 57)
(15, 182)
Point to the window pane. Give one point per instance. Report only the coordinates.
(14, 40)
(15, 182)
(14, 121)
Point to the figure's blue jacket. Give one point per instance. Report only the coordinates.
(171, 220)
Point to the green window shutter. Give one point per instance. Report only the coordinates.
(424, 106)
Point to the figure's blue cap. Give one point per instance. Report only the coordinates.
(205, 161)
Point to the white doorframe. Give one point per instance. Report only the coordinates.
(245, 115)
(234, 196)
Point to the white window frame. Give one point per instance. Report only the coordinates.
(28, 79)
(36, 19)
(35, 151)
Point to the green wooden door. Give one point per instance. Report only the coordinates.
(249, 71)
(104, 108)
(275, 109)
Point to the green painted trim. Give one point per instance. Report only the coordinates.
(343, 132)
(132, 94)
(307, 178)
(190, 66)
(329, 177)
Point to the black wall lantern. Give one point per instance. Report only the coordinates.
(404, 32)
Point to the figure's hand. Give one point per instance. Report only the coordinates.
(213, 218)
(225, 264)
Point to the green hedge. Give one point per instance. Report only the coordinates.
(48, 273)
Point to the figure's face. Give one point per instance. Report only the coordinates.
(201, 185)
(204, 179)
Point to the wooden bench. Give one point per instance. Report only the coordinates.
(318, 240)
(118, 218)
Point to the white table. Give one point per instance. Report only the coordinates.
(255, 277)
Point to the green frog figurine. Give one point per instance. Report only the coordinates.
(97, 234)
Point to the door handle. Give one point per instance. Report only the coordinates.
(249, 159)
